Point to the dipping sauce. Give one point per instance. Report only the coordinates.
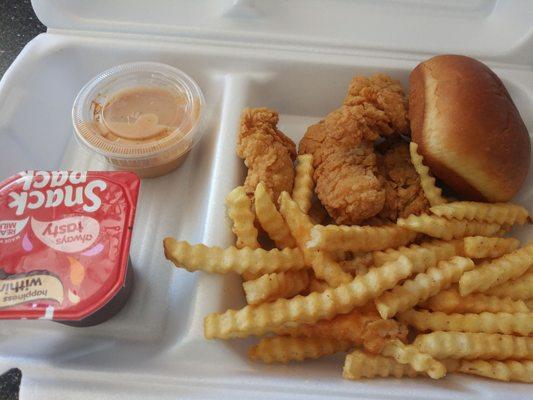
(64, 245)
(140, 113)
(141, 117)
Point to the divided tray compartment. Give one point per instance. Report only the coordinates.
(155, 346)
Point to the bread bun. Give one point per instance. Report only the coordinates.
(468, 128)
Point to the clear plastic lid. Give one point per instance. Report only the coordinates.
(139, 115)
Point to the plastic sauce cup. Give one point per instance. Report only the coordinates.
(143, 117)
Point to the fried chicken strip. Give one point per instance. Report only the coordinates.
(267, 152)
(346, 171)
(346, 180)
(403, 193)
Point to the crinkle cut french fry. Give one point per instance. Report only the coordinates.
(450, 301)
(250, 276)
(422, 286)
(447, 229)
(302, 193)
(504, 230)
(325, 267)
(267, 317)
(299, 223)
(360, 365)
(473, 346)
(283, 349)
(518, 288)
(358, 326)
(276, 285)
(240, 211)
(216, 260)
(323, 264)
(423, 256)
(497, 271)
(489, 247)
(500, 213)
(358, 265)
(271, 220)
(507, 370)
(420, 362)
(340, 255)
(432, 192)
(510, 324)
(317, 285)
(358, 238)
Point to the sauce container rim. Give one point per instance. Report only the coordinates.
(95, 142)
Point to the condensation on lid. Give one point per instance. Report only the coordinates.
(143, 112)
(142, 117)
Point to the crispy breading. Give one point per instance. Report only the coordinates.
(347, 184)
(266, 151)
(403, 193)
(312, 141)
(386, 95)
(346, 174)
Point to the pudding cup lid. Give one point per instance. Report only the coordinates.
(64, 242)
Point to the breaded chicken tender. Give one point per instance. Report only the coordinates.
(403, 193)
(346, 173)
(267, 152)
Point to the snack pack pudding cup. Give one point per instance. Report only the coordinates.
(64, 255)
(143, 117)
(111, 308)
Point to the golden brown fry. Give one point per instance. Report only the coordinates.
(340, 255)
(410, 355)
(510, 324)
(504, 230)
(323, 264)
(423, 256)
(283, 349)
(500, 213)
(508, 370)
(358, 238)
(473, 346)
(271, 220)
(495, 272)
(240, 211)
(489, 247)
(450, 301)
(273, 286)
(302, 193)
(518, 288)
(360, 326)
(326, 268)
(447, 229)
(360, 365)
(250, 276)
(216, 260)
(267, 317)
(432, 192)
(422, 286)
(317, 285)
(359, 265)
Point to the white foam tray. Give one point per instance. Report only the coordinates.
(155, 348)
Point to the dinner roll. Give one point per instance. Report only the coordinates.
(467, 128)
